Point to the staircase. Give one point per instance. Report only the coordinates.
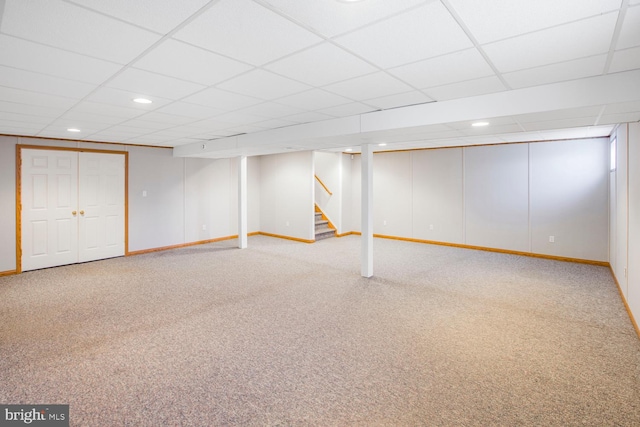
(324, 229)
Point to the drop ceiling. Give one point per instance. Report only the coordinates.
(251, 77)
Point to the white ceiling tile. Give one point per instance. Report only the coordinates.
(490, 130)
(331, 17)
(217, 98)
(400, 100)
(275, 123)
(321, 65)
(421, 33)
(571, 41)
(272, 110)
(630, 33)
(370, 86)
(238, 118)
(314, 99)
(149, 126)
(60, 24)
(619, 118)
(559, 124)
(494, 123)
(20, 96)
(34, 110)
(623, 60)
(35, 57)
(99, 108)
(36, 82)
(491, 20)
(634, 2)
(239, 130)
(570, 70)
(81, 116)
(572, 113)
(572, 133)
(151, 84)
(20, 128)
(186, 62)
(246, 31)
(27, 118)
(599, 131)
(263, 84)
(454, 67)
(159, 16)
(194, 111)
(623, 107)
(124, 98)
(347, 110)
(166, 118)
(476, 87)
(309, 117)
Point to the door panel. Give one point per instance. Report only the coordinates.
(101, 198)
(49, 197)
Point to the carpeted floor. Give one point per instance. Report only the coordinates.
(289, 334)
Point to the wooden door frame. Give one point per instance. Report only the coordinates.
(20, 147)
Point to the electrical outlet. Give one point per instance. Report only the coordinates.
(144, 193)
(287, 223)
(552, 239)
(384, 222)
(204, 227)
(430, 226)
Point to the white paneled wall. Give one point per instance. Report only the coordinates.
(496, 180)
(619, 263)
(510, 197)
(393, 183)
(625, 214)
(437, 195)
(286, 195)
(633, 233)
(156, 199)
(8, 203)
(569, 182)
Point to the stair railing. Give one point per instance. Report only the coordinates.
(323, 186)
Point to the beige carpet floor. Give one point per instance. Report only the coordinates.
(289, 334)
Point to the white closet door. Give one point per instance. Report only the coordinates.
(49, 198)
(101, 206)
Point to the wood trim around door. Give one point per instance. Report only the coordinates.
(20, 147)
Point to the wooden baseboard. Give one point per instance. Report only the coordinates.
(348, 233)
(184, 245)
(279, 236)
(8, 273)
(483, 248)
(624, 301)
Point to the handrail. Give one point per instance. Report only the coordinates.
(323, 186)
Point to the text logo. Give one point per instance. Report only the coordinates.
(34, 415)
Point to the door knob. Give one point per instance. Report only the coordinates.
(81, 212)
(74, 213)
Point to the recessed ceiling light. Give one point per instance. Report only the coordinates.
(349, 149)
(142, 101)
(73, 130)
(382, 144)
(479, 124)
(349, 1)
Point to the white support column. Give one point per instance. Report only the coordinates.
(367, 210)
(242, 202)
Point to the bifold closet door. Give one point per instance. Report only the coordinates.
(101, 200)
(72, 207)
(49, 196)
